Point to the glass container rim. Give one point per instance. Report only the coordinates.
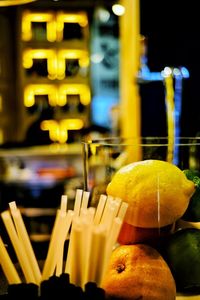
(117, 140)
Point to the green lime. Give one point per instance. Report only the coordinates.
(192, 214)
(182, 253)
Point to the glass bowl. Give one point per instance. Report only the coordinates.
(102, 158)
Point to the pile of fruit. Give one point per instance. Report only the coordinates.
(155, 258)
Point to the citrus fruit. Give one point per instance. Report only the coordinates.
(157, 192)
(182, 253)
(138, 272)
(130, 234)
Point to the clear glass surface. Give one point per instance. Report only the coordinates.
(103, 157)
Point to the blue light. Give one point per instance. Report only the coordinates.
(101, 109)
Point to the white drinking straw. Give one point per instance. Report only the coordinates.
(109, 216)
(98, 242)
(18, 247)
(75, 264)
(77, 203)
(91, 214)
(117, 201)
(122, 210)
(78, 209)
(86, 244)
(50, 261)
(100, 208)
(8, 266)
(64, 230)
(85, 199)
(112, 239)
(54, 244)
(106, 209)
(25, 240)
(63, 204)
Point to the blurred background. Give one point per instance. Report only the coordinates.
(61, 74)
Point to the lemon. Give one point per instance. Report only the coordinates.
(158, 192)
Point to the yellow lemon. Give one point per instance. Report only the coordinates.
(158, 192)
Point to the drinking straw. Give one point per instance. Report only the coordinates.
(75, 265)
(49, 263)
(63, 203)
(118, 203)
(97, 250)
(78, 209)
(87, 220)
(93, 235)
(112, 238)
(18, 247)
(100, 208)
(91, 213)
(122, 210)
(25, 240)
(56, 239)
(109, 213)
(8, 266)
(106, 208)
(85, 246)
(59, 264)
(64, 229)
(85, 199)
(108, 217)
(77, 204)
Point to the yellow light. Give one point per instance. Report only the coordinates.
(1, 102)
(40, 89)
(14, 2)
(62, 18)
(49, 54)
(72, 124)
(58, 130)
(1, 136)
(82, 90)
(48, 17)
(169, 99)
(81, 55)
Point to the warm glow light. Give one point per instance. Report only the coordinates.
(71, 124)
(118, 9)
(62, 18)
(40, 89)
(1, 136)
(14, 2)
(50, 55)
(48, 17)
(58, 130)
(81, 55)
(74, 89)
(56, 95)
(54, 23)
(1, 103)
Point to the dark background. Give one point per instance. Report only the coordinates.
(172, 29)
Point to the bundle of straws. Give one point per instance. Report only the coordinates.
(92, 234)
